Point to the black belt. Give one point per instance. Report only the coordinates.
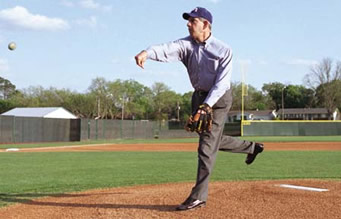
(202, 93)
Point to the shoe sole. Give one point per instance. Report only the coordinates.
(254, 158)
(195, 207)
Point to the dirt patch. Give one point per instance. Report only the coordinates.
(252, 199)
(275, 146)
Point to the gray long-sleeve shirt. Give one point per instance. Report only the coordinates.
(208, 64)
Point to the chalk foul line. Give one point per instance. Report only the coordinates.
(303, 188)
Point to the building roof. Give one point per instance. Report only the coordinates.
(303, 111)
(254, 112)
(42, 112)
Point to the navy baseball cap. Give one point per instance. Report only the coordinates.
(199, 12)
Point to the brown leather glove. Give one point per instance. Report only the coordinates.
(201, 121)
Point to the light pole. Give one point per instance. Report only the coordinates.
(124, 99)
(178, 110)
(283, 103)
(123, 109)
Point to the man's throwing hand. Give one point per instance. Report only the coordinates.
(141, 58)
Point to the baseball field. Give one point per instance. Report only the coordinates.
(295, 177)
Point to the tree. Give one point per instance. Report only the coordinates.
(253, 99)
(276, 92)
(98, 88)
(132, 97)
(165, 101)
(324, 79)
(83, 105)
(146, 104)
(30, 97)
(186, 105)
(297, 96)
(5, 105)
(331, 101)
(290, 96)
(6, 89)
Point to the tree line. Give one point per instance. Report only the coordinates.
(128, 99)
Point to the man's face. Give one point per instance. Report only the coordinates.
(195, 27)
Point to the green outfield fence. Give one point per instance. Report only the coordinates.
(292, 128)
(29, 129)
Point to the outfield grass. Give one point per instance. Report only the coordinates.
(180, 140)
(24, 176)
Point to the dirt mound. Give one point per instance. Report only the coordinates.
(251, 199)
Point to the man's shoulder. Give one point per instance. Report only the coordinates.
(185, 40)
(220, 43)
(219, 47)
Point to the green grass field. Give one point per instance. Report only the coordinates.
(24, 176)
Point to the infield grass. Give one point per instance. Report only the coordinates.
(24, 176)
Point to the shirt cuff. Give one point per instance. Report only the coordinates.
(150, 53)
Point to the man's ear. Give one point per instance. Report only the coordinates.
(206, 25)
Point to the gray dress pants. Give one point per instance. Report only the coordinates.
(210, 143)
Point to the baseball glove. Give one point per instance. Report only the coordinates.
(201, 121)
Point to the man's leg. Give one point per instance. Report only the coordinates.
(209, 144)
(236, 145)
(207, 152)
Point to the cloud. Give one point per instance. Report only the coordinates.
(2, 39)
(214, 1)
(115, 60)
(20, 18)
(306, 62)
(262, 62)
(244, 61)
(91, 4)
(90, 22)
(4, 67)
(67, 3)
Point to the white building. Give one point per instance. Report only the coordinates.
(41, 112)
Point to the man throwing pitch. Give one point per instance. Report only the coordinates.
(208, 62)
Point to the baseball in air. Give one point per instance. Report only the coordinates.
(12, 46)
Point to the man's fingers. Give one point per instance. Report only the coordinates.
(141, 58)
(139, 62)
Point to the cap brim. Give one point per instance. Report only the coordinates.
(186, 16)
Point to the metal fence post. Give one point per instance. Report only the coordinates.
(96, 129)
(13, 130)
(89, 122)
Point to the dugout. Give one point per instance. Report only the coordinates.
(41, 124)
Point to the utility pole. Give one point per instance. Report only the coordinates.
(98, 106)
(178, 110)
(283, 103)
(124, 99)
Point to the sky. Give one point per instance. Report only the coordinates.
(66, 44)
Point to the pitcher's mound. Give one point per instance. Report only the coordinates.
(252, 199)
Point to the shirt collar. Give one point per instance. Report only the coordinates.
(209, 40)
(205, 43)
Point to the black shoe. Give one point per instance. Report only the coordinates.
(251, 157)
(190, 203)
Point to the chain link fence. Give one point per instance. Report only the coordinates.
(29, 129)
(32, 129)
(292, 128)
